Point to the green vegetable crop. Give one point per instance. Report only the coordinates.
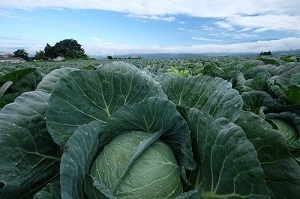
(121, 132)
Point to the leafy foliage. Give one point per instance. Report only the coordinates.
(21, 53)
(226, 127)
(17, 82)
(28, 154)
(68, 48)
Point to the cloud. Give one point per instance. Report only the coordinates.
(13, 15)
(9, 38)
(235, 19)
(105, 49)
(96, 39)
(224, 24)
(266, 22)
(254, 14)
(205, 39)
(290, 43)
(235, 35)
(154, 17)
(205, 8)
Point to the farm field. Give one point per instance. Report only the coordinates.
(207, 127)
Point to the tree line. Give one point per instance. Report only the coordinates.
(67, 48)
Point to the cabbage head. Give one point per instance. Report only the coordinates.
(153, 174)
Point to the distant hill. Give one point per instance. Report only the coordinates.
(286, 52)
(191, 55)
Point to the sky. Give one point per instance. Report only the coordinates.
(121, 27)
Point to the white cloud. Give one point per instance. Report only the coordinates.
(207, 28)
(204, 8)
(234, 35)
(244, 35)
(225, 25)
(153, 17)
(267, 22)
(241, 19)
(244, 30)
(270, 15)
(205, 39)
(189, 30)
(104, 49)
(96, 39)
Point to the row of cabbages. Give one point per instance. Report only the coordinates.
(119, 132)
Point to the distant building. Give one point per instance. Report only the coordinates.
(6, 55)
(134, 58)
(59, 58)
(11, 60)
(266, 53)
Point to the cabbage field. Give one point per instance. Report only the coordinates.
(207, 127)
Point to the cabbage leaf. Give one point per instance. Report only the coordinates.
(27, 151)
(228, 166)
(84, 96)
(282, 173)
(212, 95)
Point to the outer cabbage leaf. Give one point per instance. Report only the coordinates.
(282, 173)
(193, 194)
(259, 100)
(259, 83)
(77, 159)
(286, 85)
(227, 162)
(27, 152)
(269, 60)
(212, 69)
(95, 189)
(50, 79)
(23, 80)
(275, 70)
(292, 92)
(295, 79)
(4, 87)
(287, 130)
(238, 82)
(285, 78)
(212, 95)
(50, 191)
(250, 63)
(296, 157)
(257, 71)
(28, 82)
(8, 98)
(16, 75)
(84, 96)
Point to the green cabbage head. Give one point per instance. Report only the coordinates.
(153, 174)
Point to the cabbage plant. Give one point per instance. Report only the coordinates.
(120, 132)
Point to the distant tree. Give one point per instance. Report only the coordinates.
(74, 54)
(21, 53)
(109, 57)
(50, 52)
(40, 55)
(68, 48)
